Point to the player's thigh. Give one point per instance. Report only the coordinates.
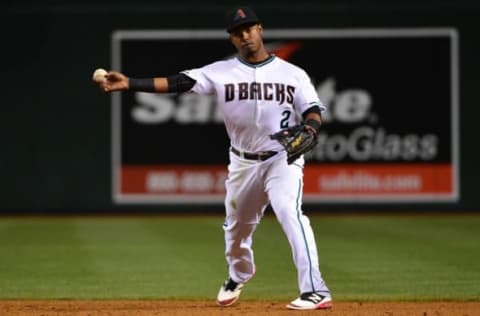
(245, 194)
(285, 186)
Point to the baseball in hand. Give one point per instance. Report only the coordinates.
(99, 75)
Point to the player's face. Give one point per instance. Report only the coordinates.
(247, 39)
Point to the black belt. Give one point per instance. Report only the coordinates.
(262, 156)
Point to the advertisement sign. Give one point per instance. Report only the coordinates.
(390, 133)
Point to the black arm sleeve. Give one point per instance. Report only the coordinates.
(180, 83)
(313, 109)
(313, 123)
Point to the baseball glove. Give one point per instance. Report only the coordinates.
(296, 140)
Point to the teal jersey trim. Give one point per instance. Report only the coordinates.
(260, 64)
(303, 232)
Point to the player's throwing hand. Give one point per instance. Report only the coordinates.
(114, 81)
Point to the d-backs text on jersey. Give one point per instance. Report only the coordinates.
(279, 92)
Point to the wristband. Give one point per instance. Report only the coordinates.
(314, 124)
(143, 84)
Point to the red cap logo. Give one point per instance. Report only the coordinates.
(240, 14)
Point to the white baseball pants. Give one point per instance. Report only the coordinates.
(250, 186)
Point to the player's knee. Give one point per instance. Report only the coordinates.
(285, 213)
(237, 229)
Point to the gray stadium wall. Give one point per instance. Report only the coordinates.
(56, 126)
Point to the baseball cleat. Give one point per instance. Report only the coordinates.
(229, 292)
(311, 300)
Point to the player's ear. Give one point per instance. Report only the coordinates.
(260, 28)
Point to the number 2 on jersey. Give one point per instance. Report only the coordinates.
(284, 122)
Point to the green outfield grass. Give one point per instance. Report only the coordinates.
(362, 258)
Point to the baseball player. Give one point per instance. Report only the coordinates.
(270, 109)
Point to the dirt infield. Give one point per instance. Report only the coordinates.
(184, 308)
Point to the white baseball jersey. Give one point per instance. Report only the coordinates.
(256, 100)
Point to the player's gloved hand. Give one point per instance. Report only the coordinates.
(297, 140)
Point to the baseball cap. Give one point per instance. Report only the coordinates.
(240, 16)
